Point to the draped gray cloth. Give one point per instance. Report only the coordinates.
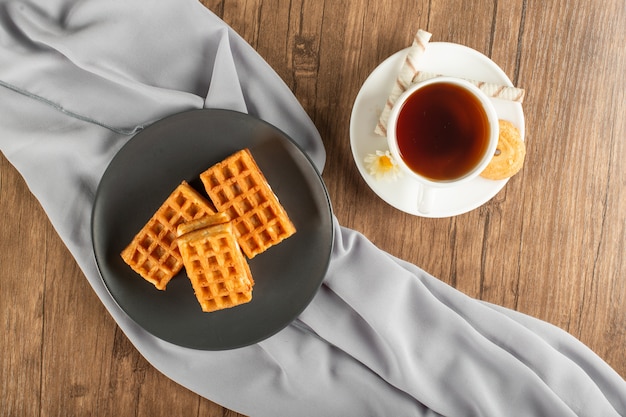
(78, 79)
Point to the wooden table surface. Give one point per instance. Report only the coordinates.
(550, 244)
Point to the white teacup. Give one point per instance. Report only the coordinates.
(442, 132)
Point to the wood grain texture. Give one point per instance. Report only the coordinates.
(550, 244)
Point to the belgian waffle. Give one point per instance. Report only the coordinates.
(216, 267)
(153, 252)
(238, 187)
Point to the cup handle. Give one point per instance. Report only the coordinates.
(425, 200)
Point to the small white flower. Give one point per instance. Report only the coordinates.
(381, 165)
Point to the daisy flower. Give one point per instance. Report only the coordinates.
(382, 165)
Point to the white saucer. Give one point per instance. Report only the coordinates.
(441, 58)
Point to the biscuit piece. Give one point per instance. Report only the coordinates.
(153, 252)
(510, 153)
(237, 187)
(216, 267)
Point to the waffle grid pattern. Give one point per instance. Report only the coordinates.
(153, 253)
(218, 271)
(237, 186)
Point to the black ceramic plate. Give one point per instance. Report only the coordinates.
(180, 147)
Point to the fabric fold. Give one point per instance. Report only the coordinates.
(408, 317)
(225, 89)
(381, 337)
(73, 68)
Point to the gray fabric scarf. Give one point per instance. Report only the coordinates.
(78, 79)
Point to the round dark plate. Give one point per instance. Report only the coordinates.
(180, 147)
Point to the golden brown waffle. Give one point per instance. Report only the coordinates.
(153, 252)
(218, 271)
(237, 187)
(202, 222)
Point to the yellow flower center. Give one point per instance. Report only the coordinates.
(385, 163)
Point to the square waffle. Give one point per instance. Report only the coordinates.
(153, 252)
(216, 267)
(237, 187)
